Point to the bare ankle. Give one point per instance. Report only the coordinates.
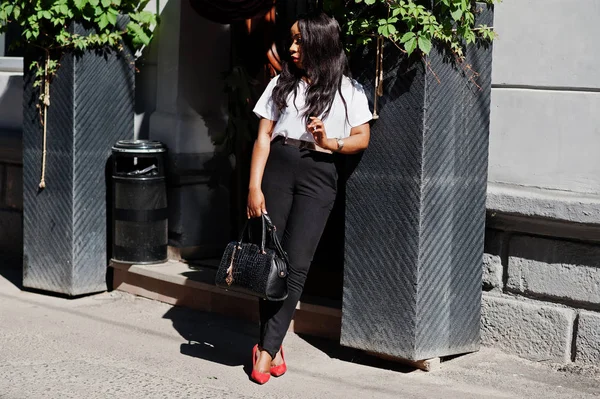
(263, 362)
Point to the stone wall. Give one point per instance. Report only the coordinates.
(542, 297)
(542, 254)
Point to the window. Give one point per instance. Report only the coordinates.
(6, 39)
(10, 60)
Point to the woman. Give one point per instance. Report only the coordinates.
(308, 113)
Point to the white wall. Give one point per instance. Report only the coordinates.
(545, 124)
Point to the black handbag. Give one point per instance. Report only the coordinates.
(255, 270)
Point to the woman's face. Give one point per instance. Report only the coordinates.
(295, 48)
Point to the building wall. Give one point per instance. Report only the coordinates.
(542, 252)
(188, 61)
(545, 131)
(180, 101)
(11, 163)
(542, 261)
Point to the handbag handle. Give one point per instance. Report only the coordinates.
(265, 221)
(267, 224)
(275, 239)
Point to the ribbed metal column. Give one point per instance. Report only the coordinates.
(65, 224)
(416, 210)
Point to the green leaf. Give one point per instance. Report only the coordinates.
(424, 44)
(370, 2)
(144, 17)
(112, 18)
(411, 45)
(138, 35)
(102, 21)
(470, 37)
(407, 36)
(80, 4)
(383, 30)
(94, 3)
(106, 3)
(457, 14)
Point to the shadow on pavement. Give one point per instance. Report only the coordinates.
(213, 337)
(11, 269)
(335, 351)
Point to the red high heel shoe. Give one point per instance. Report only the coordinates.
(278, 371)
(257, 376)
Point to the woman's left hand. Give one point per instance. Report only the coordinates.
(316, 127)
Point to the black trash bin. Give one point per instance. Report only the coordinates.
(139, 202)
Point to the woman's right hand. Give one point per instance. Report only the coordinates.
(256, 204)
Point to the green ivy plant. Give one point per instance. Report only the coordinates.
(45, 25)
(412, 25)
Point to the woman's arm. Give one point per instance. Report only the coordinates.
(357, 142)
(262, 146)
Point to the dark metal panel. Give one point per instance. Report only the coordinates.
(416, 292)
(104, 99)
(65, 225)
(382, 217)
(47, 216)
(456, 138)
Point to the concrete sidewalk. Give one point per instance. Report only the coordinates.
(117, 345)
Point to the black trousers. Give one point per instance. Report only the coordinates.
(300, 188)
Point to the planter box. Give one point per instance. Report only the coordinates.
(415, 210)
(65, 224)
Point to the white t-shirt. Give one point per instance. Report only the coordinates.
(291, 123)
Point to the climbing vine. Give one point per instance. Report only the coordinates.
(44, 24)
(412, 25)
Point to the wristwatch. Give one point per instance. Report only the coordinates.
(340, 144)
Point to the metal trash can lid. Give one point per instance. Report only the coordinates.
(139, 146)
